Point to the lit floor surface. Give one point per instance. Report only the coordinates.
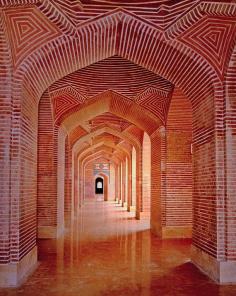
(108, 252)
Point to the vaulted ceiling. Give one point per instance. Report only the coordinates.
(116, 74)
(160, 12)
(89, 50)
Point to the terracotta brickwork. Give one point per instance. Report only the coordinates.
(68, 200)
(146, 176)
(47, 175)
(178, 205)
(5, 150)
(230, 140)
(89, 181)
(157, 141)
(133, 176)
(83, 81)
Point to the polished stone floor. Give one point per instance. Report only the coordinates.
(108, 252)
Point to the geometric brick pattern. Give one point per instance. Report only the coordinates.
(130, 79)
(144, 87)
(28, 31)
(70, 8)
(109, 119)
(65, 99)
(70, 14)
(212, 36)
(53, 50)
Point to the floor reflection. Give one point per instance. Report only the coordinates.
(107, 252)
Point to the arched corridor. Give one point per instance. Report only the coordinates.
(106, 251)
(117, 129)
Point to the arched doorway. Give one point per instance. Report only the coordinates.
(99, 186)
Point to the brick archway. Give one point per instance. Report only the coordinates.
(126, 36)
(230, 142)
(105, 185)
(157, 138)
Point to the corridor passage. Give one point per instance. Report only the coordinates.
(108, 252)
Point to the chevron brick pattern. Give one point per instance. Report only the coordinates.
(28, 31)
(128, 66)
(212, 37)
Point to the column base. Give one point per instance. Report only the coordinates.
(15, 274)
(145, 215)
(131, 209)
(176, 232)
(223, 272)
(137, 215)
(125, 205)
(156, 229)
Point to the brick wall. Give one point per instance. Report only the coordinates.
(89, 181)
(47, 174)
(26, 189)
(156, 208)
(178, 205)
(112, 184)
(5, 148)
(69, 198)
(204, 178)
(89, 187)
(123, 181)
(196, 67)
(133, 200)
(230, 202)
(60, 180)
(146, 168)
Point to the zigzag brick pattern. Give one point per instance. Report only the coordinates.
(138, 64)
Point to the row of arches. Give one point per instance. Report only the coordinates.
(102, 182)
(28, 117)
(138, 160)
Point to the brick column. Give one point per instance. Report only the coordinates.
(214, 234)
(157, 139)
(230, 140)
(18, 187)
(177, 206)
(117, 187)
(48, 162)
(213, 208)
(139, 183)
(123, 183)
(129, 196)
(5, 148)
(120, 183)
(75, 180)
(69, 200)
